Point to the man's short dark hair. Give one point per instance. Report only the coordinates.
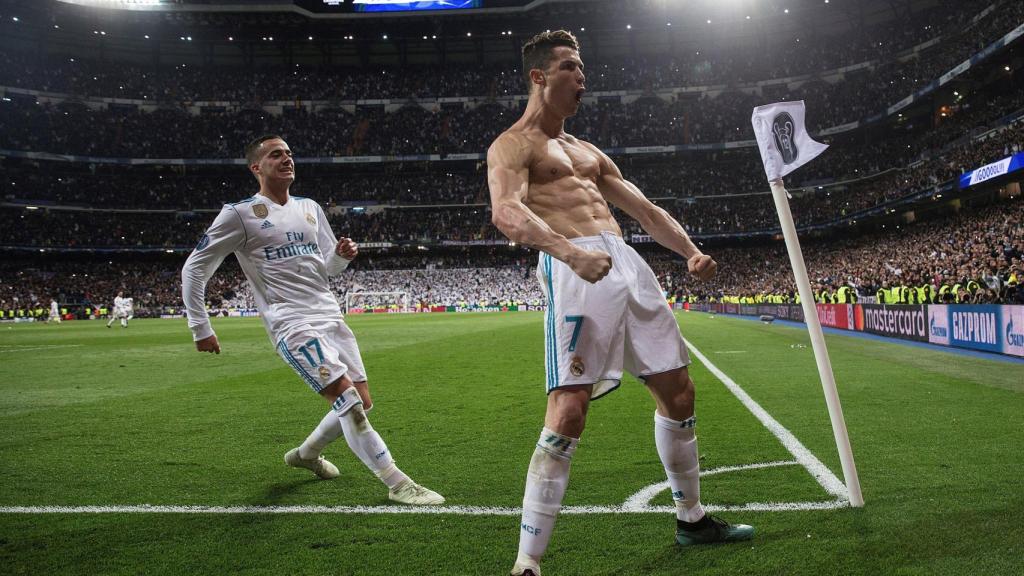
(539, 51)
(252, 147)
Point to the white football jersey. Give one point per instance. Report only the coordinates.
(286, 252)
(118, 303)
(53, 307)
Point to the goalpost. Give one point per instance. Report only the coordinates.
(373, 299)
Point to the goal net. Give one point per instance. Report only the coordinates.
(388, 301)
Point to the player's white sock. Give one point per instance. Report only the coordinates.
(124, 323)
(110, 322)
(326, 431)
(364, 440)
(677, 447)
(546, 481)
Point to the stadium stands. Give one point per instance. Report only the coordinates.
(428, 216)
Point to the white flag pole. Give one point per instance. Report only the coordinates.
(828, 381)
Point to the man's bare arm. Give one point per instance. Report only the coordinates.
(657, 222)
(508, 177)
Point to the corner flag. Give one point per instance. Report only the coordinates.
(785, 146)
(782, 138)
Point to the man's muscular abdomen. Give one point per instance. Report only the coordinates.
(572, 206)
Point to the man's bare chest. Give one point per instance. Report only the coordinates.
(557, 159)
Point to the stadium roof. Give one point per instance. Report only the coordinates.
(330, 9)
(195, 31)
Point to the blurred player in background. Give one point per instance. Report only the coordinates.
(118, 312)
(287, 251)
(54, 312)
(606, 310)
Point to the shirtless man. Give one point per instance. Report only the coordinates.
(606, 310)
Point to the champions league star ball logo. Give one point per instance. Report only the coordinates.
(782, 130)
(204, 241)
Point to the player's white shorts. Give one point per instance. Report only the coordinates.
(120, 313)
(321, 352)
(593, 331)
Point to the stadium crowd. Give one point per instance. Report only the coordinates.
(978, 252)
(697, 174)
(125, 131)
(196, 189)
(961, 27)
(976, 255)
(73, 128)
(703, 215)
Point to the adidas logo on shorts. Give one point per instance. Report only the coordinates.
(266, 224)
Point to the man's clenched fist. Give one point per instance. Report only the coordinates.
(208, 344)
(702, 266)
(347, 248)
(591, 265)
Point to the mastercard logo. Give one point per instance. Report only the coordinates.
(858, 317)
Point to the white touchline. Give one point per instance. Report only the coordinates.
(452, 510)
(41, 347)
(635, 504)
(829, 481)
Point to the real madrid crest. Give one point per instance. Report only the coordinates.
(260, 210)
(310, 219)
(576, 367)
(324, 373)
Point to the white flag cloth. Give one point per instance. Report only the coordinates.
(782, 138)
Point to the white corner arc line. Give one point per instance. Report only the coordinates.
(643, 497)
(829, 481)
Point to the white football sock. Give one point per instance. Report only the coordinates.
(364, 440)
(326, 431)
(677, 447)
(546, 481)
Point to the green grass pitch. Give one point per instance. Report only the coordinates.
(109, 417)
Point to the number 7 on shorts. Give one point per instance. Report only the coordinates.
(578, 321)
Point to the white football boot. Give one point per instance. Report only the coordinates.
(319, 465)
(525, 569)
(409, 492)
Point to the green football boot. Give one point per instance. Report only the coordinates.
(709, 530)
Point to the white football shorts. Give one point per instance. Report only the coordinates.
(593, 331)
(322, 352)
